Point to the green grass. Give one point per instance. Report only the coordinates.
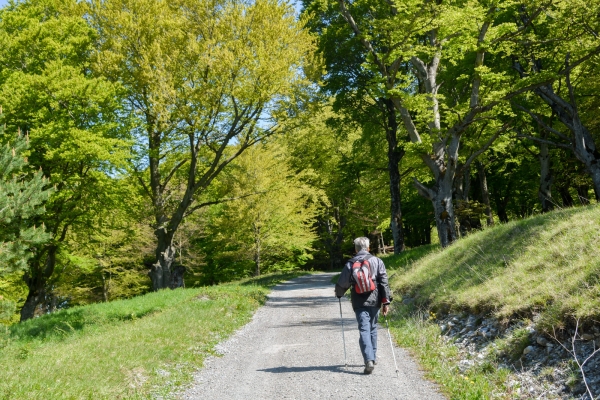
(137, 348)
(547, 264)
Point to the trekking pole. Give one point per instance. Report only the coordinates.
(392, 345)
(343, 336)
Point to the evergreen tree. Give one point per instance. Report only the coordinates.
(21, 198)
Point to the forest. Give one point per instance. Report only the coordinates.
(148, 145)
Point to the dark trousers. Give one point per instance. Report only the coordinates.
(367, 326)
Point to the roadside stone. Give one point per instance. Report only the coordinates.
(528, 349)
(542, 341)
(542, 372)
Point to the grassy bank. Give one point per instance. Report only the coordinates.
(133, 348)
(547, 264)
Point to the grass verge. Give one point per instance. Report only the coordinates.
(138, 348)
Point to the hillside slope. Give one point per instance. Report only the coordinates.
(547, 264)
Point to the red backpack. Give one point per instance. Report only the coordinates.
(361, 273)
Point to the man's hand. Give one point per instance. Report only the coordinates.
(385, 309)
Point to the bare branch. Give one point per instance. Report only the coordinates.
(422, 189)
(535, 139)
(542, 123)
(573, 353)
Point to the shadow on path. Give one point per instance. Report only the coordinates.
(331, 368)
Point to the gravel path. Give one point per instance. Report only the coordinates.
(293, 349)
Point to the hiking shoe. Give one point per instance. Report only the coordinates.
(369, 367)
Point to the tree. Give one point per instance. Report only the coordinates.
(358, 100)
(72, 118)
(272, 229)
(200, 77)
(411, 48)
(21, 199)
(563, 49)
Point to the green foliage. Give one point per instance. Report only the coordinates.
(21, 200)
(125, 348)
(77, 137)
(269, 226)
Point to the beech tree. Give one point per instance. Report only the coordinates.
(270, 229)
(563, 48)
(200, 77)
(413, 50)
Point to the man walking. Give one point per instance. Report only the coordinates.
(367, 297)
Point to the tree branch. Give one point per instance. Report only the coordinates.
(486, 146)
(422, 189)
(224, 200)
(542, 123)
(172, 173)
(544, 141)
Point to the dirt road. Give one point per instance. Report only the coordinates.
(292, 349)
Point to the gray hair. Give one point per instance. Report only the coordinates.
(361, 243)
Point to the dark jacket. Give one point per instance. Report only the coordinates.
(381, 294)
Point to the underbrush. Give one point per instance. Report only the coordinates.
(137, 348)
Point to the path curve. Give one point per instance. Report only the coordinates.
(292, 349)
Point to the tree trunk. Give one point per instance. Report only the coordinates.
(485, 194)
(395, 155)
(338, 254)
(257, 245)
(467, 220)
(583, 144)
(160, 272)
(257, 261)
(36, 279)
(583, 194)
(444, 218)
(544, 193)
(441, 198)
(565, 195)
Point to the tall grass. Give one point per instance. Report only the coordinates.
(136, 348)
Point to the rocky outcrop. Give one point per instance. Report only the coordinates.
(543, 366)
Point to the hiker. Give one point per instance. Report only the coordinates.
(368, 295)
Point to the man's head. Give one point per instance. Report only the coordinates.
(361, 243)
